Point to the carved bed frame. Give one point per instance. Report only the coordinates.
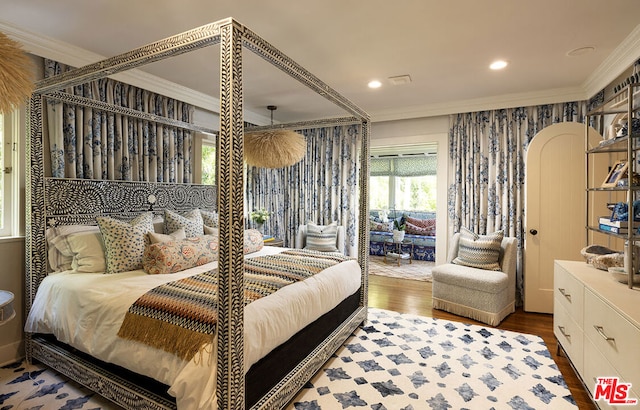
(64, 201)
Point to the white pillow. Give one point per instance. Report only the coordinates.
(322, 238)
(58, 252)
(88, 252)
(178, 235)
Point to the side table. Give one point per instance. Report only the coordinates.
(394, 250)
(7, 312)
(274, 242)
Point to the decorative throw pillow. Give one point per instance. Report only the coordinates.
(380, 226)
(253, 241)
(175, 256)
(419, 230)
(479, 251)
(125, 242)
(191, 222)
(417, 226)
(178, 235)
(209, 218)
(322, 238)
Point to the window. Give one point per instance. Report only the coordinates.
(403, 178)
(8, 123)
(208, 163)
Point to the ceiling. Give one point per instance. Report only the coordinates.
(444, 46)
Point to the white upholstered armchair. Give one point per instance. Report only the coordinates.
(318, 243)
(484, 295)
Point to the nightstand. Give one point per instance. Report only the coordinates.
(6, 307)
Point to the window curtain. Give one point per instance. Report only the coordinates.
(487, 169)
(322, 188)
(92, 144)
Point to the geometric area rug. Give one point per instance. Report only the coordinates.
(394, 362)
(400, 361)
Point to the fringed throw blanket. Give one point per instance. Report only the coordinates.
(180, 317)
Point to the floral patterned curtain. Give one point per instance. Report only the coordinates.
(93, 144)
(322, 188)
(487, 169)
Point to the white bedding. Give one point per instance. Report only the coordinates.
(85, 310)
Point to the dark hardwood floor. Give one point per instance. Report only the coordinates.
(411, 296)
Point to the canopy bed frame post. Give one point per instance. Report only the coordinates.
(363, 216)
(35, 259)
(230, 160)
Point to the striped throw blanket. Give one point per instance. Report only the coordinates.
(180, 317)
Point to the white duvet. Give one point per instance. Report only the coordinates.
(85, 310)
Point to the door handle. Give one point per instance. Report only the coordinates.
(533, 232)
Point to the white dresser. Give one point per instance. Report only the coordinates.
(597, 322)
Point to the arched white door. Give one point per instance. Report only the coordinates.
(554, 208)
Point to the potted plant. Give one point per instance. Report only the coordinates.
(399, 227)
(259, 217)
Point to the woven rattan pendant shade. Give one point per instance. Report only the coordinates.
(274, 148)
(16, 75)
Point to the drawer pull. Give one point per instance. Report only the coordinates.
(565, 294)
(601, 332)
(565, 334)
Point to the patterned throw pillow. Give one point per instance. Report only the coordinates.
(124, 242)
(176, 256)
(479, 251)
(253, 241)
(419, 230)
(191, 222)
(417, 226)
(210, 218)
(322, 238)
(380, 226)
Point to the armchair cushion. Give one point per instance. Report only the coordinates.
(308, 237)
(479, 251)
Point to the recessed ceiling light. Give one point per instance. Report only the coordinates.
(580, 51)
(498, 65)
(375, 84)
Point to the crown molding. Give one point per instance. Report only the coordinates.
(620, 59)
(65, 53)
(551, 96)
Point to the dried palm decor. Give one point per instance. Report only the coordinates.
(16, 74)
(274, 148)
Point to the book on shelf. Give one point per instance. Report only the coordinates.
(614, 229)
(605, 220)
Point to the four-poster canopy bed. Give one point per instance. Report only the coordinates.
(57, 202)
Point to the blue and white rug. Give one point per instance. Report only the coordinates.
(395, 362)
(405, 362)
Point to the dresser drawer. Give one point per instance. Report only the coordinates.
(614, 336)
(569, 292)
(569, 335)
(595, 366)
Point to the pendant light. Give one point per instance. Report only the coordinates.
(276, 148)
(16, 74)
